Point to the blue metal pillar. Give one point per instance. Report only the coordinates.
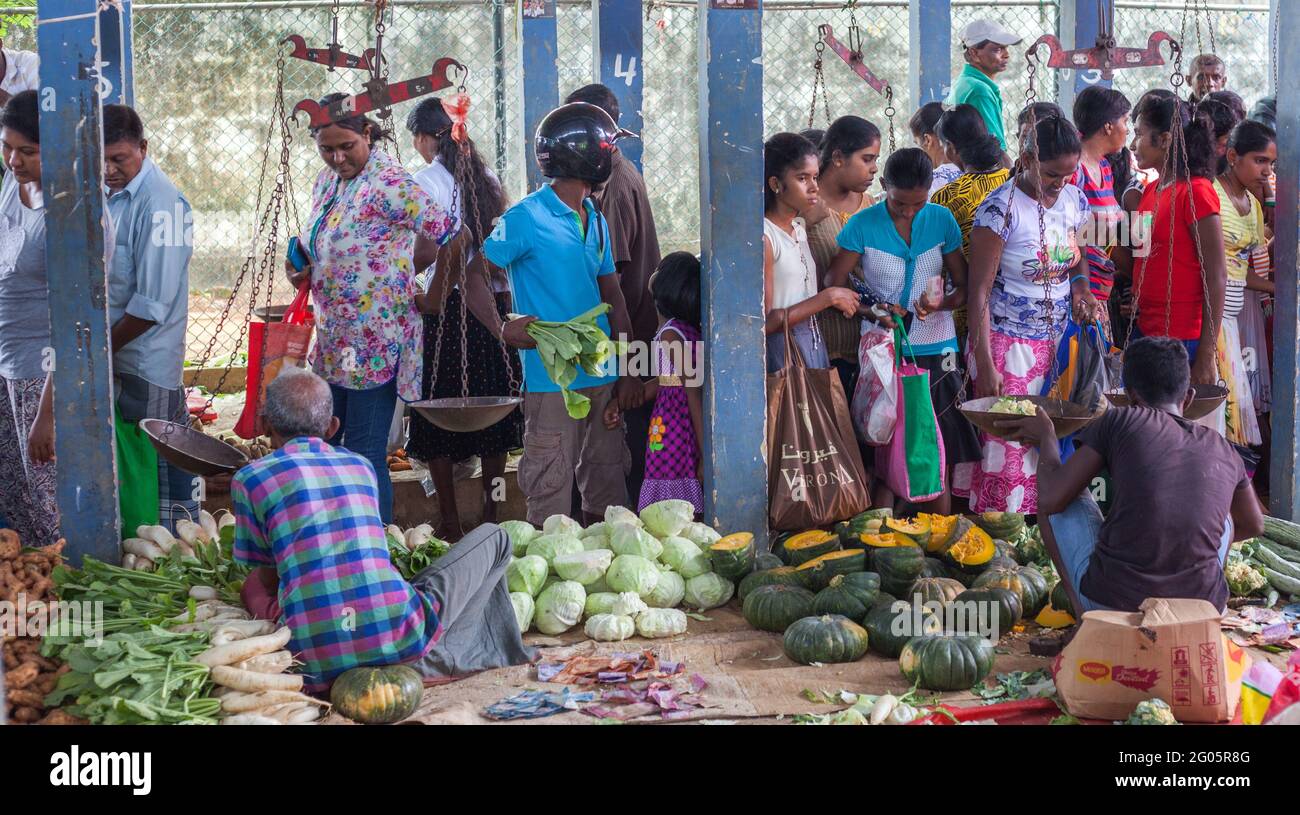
(929, 58)
(116, 64)
(72, 184)
(731, 232)
(541, 74)
(616, 46)
(1079, 29)
(1284, 498)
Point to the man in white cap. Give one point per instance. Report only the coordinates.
(985, 47)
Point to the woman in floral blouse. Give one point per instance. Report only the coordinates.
(371, 229)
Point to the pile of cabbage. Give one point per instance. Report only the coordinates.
(625, 575)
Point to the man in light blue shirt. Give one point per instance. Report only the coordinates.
(148, 292)
(555, 246)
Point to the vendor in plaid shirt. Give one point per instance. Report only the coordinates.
(307, 516)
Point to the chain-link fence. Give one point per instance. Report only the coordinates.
(205, 78)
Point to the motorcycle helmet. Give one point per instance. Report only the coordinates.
(577, 141)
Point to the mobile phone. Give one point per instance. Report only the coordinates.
(297, 255)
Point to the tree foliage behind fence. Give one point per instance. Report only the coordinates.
(206, 77)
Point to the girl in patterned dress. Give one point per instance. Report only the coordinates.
(672, 457)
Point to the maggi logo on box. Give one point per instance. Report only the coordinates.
(1096, 671)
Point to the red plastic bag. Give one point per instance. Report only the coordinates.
(272, 346)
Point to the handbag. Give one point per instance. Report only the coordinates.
(815, 474)
(913, 459)
(272, 346)
(875, 397)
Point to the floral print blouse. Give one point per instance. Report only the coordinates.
(361, 238)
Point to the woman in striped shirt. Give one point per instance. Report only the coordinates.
(1251, 154)
(1101, 115)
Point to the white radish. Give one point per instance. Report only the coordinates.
(292, 713)
(902, 714)
(395, 532)
(203, 592)
(240, 650)
(128, 561)
(141, 547)
(249, 718)
(253, 682)
(233, 630)
(208, 609)
(239, 702)
(417, 536)
(276, 662)
(158, 535)
(304, 715)
(190, 532)
(226, 519)
(143, 564)
(883, 707)
(209, 525)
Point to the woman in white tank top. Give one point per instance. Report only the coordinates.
(789, 274)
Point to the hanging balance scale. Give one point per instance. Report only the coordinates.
(852, 55)
(1206, 397)
(177, 442)
(465, 413)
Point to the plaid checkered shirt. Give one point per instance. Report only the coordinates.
(312, 512)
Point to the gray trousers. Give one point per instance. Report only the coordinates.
(479, 627)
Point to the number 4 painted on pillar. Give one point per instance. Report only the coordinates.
(630, 74)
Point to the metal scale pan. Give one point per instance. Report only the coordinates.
(466, 414)
(1067, 417)
(1207, 400)
(191, 450)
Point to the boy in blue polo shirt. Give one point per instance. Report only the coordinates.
(555, 247)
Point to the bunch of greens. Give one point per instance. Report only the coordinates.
(566, 347)
(1017, 685)
(410, 562)
(139, 677)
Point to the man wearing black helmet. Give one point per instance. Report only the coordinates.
(555, 245)
(624, 201)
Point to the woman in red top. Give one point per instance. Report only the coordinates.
(1180, 282)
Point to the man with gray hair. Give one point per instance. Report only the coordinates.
(307, 518)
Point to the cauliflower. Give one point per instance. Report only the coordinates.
(1017, 407)
(1243, 579)
(1029, 546)
(1152, 711)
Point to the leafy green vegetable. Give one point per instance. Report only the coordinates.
(565, 347)
(410, 562)
(1018, 685)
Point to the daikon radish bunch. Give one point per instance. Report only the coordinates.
(250, 665)
(152, 543)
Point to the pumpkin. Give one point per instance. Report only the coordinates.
(778, 547)
(883, 598)
(881, 514)
(782, 575)
(882, 541)
(1060, 598)
(1001, 562)
(1026, 581)
(1052, 617)
(917, 531)
(826, 639)
(381, 694)
(935, 589)
(941, 530)
(889, 627)
(1000, 607)
(1002, 525)
(898, 567)
(972, 551)
(733, 556)
(848, 531)
(820, 570)
(946, 662)
(934, 568)
(807, 545)
(767, 560)
(773, 608)
(849, 595)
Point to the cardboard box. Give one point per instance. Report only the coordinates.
(1171, 649)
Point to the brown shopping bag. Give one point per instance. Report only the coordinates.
(272, 346)
(815, 474)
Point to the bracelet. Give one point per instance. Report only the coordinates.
(1078, 277)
